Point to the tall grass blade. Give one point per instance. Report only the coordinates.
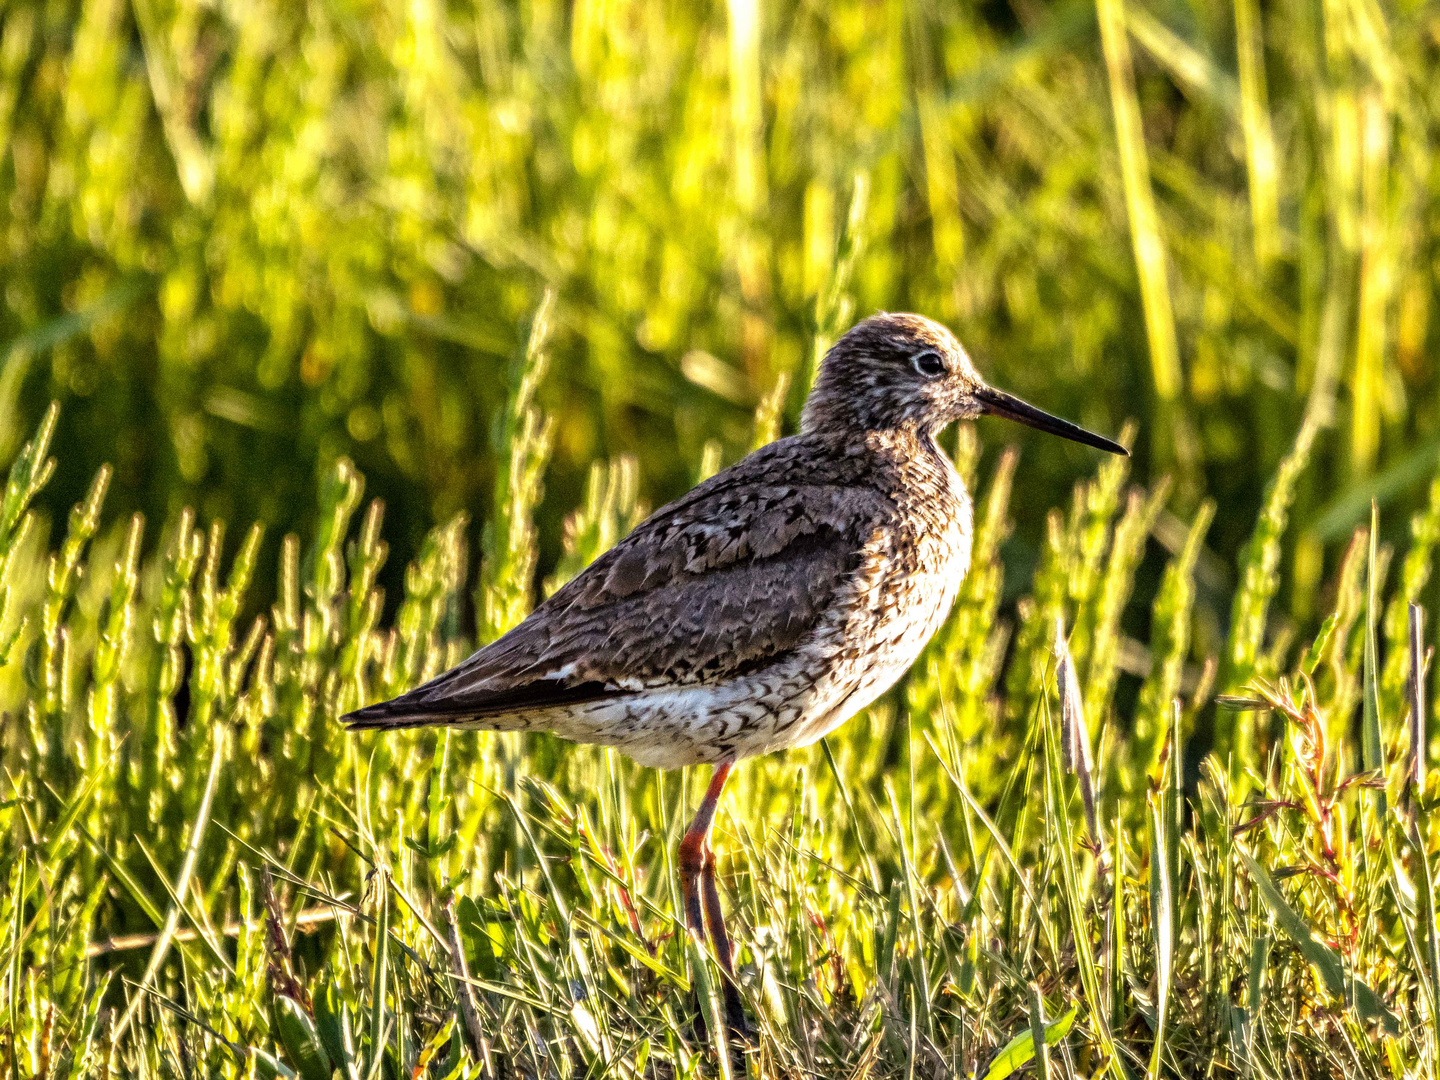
(1074, 734)
(1162, 921)
(1373, 753)
(1429, 974)
(1091, 977)
(1260, 153)
(1145, 237)
(1037, 1033)
(1115, 961)
(1416, 773)
(380, 975)
(181, 886)
(1254, 997)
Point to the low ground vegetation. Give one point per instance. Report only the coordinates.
(206, 875)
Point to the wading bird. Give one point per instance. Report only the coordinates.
(765, 607)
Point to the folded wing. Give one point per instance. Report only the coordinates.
(718, 584)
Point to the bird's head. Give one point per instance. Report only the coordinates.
(893, 371)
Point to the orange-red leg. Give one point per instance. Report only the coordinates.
(702, 897)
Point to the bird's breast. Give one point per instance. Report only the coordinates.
(919, 580)
(910, 574)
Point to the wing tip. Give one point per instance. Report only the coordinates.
(387, 715)
(421, 708)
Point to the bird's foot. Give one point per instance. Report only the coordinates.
(737, 1026)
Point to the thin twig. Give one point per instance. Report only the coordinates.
(127, 942)
(1416, 779)
(462, 991)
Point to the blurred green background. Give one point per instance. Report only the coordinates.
(243, 239)
(246, 240)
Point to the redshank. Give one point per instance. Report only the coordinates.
(766, 606)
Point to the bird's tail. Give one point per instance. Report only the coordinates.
(425, 706)
(394, 716)
(435, 704)
(536, 703)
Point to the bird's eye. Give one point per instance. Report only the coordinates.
(928, 364)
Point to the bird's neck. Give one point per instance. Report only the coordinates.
(832, 418)
(910, 435)
(919, 444)
(855, 402)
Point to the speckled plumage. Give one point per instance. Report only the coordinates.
(770, 603)
(765, 607)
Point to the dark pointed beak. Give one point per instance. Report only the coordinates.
(998, 403)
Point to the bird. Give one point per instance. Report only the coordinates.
(766, 606)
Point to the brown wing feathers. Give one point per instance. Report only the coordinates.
(713, 586)
(407, 711)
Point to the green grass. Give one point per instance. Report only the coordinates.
(439, 274)
(244, 240)
(206, 875)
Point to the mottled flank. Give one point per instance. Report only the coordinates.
(770, 603)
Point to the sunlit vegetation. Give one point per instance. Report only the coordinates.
(482, 283)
